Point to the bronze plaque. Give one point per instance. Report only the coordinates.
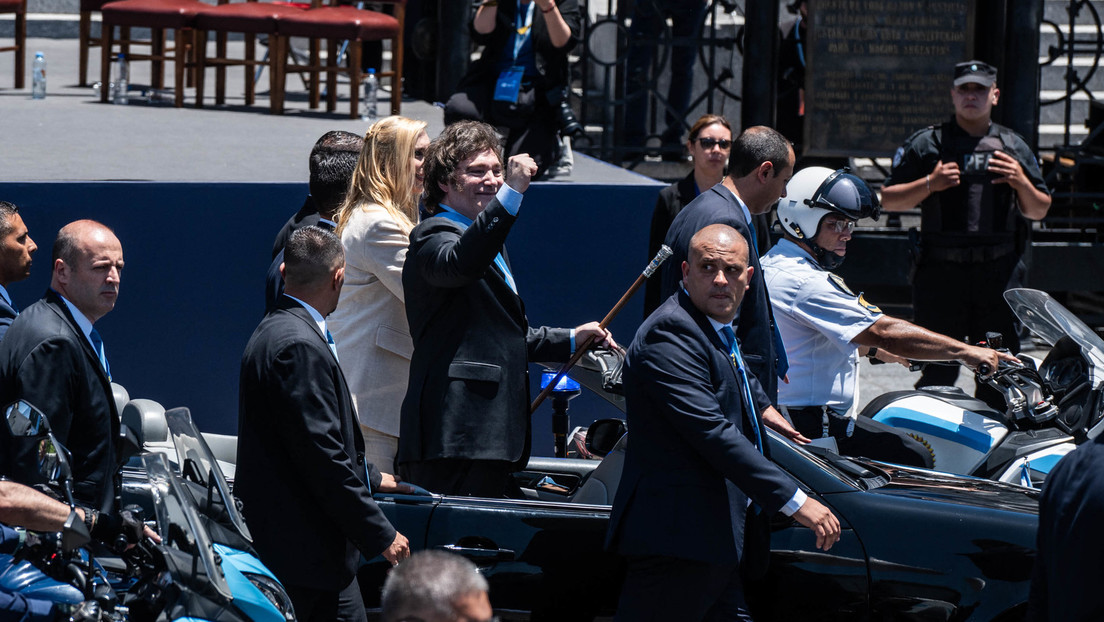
(878, 70)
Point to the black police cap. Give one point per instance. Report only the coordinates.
(975, 71)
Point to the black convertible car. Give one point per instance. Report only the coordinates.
(916, 545)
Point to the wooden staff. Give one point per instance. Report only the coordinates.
(661, 256)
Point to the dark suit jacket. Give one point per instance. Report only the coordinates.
(46, 360)
(754, 323)
(690, 465)
(7, 316)
(468, 395)
(670, 202)
(307, 215)
(301, 473)
(1068, 570)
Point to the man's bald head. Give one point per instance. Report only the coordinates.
(716, 273)
(88, 265)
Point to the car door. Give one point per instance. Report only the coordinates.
(542, 557)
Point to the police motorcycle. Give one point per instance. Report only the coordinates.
(186, 577)
(172, 437)
(1050, 406)
(55, 567)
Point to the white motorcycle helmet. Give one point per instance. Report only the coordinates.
(815, 192)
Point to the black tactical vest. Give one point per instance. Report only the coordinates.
(983, 211)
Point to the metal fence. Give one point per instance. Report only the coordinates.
(608, 99)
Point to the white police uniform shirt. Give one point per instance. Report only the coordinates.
(818, 317)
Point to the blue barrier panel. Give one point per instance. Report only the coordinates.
(196, 254)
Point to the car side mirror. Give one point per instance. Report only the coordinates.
(603, 434)
(24, 420)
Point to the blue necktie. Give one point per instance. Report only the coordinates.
(738, 361)
(780, 350)
(499, 260)
(97, 345)
(333, 345)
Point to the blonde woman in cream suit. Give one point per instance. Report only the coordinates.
(369, 325)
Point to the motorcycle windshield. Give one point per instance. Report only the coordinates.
(178, 522)
(198, 464)
(1048, 319)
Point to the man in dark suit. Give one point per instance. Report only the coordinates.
(53, 358)
(760, 165)
(1068, 570)
(692, 509)
(332, 162)
(465, 419)
(301, 468)
(16, 248)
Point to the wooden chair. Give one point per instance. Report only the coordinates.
(250, 18)
(157, 15)
(86, 42)
(19, 7)
(335, 24)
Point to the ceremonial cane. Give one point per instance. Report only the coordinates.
(661, 256)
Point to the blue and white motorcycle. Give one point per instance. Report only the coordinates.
(1051, 405)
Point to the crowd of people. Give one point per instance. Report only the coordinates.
(395, 341)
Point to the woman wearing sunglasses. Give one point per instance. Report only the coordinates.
(709, 144)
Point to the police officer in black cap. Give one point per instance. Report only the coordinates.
(978, 185)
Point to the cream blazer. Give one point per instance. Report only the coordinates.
(369, 325)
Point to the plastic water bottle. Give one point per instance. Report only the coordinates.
(38, 77)
(119, 84)
(371, 92)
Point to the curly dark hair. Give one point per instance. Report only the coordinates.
(457, 142)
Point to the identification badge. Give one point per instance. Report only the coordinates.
(509, 85)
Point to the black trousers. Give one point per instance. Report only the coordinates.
(964, 301)
(867, 437)
(344, 605)
(540, 138)
(665, 589)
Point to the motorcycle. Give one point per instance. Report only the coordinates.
(1050, 406)
(256, 592)
(187, 577)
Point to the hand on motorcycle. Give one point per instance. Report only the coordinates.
(820, 519)
(778, 423)
(121, 530)
(393, 483)
(398, 551)
(976, 356)
(87, 611)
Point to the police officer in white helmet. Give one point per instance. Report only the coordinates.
(826, 327)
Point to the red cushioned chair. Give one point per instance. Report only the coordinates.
(157, 15)
(19, 7)
(250, 18)
(335, 24)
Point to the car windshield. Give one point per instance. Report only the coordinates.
(198, 464)
(178, 522)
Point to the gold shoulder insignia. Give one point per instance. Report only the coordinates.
(866, 305)
(840, 285)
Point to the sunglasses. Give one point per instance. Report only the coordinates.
(709, 143)
(839, 226)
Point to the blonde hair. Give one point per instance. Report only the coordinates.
(384, 174)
